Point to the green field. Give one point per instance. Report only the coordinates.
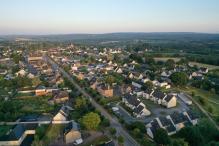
(210, 67)
(166, 58)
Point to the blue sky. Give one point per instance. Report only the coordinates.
(102, 16)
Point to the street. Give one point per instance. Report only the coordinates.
(128, 140)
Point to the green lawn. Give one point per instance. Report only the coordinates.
(97, 141)
(24, 106)
(35, 104)
(52, 133)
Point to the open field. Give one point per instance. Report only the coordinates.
(210, 67)
(166, 58)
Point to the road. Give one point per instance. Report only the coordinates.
(128, 140)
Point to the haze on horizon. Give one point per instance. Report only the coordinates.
(106, 16)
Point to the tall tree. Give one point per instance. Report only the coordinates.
(161, 137)
(179, 78)
(91, 121)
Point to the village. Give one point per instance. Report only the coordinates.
(45, 101)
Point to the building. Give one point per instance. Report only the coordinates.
(59, 97)
(169, 101)
(72, 133)
(17, 135)
(105, 90)
(61, 115)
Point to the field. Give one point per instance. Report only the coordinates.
(166, 58)
(210, 67)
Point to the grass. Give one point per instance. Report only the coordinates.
(52, 133)
(98, 141)
(36, 104)
(4, 129)
(166, 58)
(210, 67)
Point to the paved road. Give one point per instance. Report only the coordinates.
(128, 140)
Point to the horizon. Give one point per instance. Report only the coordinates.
(52, 17)
(210, 33)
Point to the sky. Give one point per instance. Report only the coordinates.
(106, 16)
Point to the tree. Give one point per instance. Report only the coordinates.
(91, 121)
(170, 64)
(161, 137)
(192, 135)
(80, 102)
(120, 139)
(110, 79)
(178, 142)
(179, 78)
(148, 85)
(112, 131)
(36, 81)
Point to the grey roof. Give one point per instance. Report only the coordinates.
(149, 91)
(192, 115)
(139, 109)
(154, 126)
(169, 97)
(158, 94)
(132, 100)
(71, 126)
(167, 124)
(179, 118)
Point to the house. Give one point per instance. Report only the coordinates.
(59, 97)
(148, 93)
(152, 128)
(72, 133)
(172, 123)
(131, 101)
(137, 85)
(105, 90)
(141, 111)
(193, 118)
(203, 70)
(118, 70)
(21, 73)
(166, 124)
(61, 115)
(179, 120)
(108, 143)
(41, 90)
(30, 76)
(169, 101)
(144, 80)
(158, 96)
(17, 135)
(3, 71)
(93, 83)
